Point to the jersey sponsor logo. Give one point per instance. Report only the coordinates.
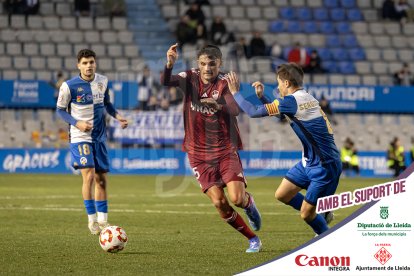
(83, 160)
(215, 94)
(308, 105)
(204, 95)
(203, 109)
(80, 98)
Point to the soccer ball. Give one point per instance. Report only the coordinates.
(113, 239)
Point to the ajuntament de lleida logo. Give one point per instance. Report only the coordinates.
(384, 212)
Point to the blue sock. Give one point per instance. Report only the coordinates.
(102, 206)
(90, 206)
(296, 201)
(318, 224)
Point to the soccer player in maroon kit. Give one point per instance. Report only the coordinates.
(212, 138)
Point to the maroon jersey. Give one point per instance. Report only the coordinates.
(208, 132)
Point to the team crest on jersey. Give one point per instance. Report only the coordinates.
(83, 160)
(100, 86)
(80, 98)
(79, 90)
(215, 94)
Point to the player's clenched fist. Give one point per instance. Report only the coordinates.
(259, 87)
(172, 55)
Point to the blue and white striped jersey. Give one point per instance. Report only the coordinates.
(86, 101)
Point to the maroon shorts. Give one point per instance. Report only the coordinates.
(218, 171)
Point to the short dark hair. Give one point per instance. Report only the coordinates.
(85, 53)
(212, 51)
(291, 72)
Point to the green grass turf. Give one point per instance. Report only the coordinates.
(172, 227)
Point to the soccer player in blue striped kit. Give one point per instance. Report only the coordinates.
(82, 103)
(320, 168)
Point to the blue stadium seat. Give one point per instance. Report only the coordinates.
(304, 14)
(331, 3)
(348, 4)
(294, 27)
(330, 66)
(277, 26)
(339, 54)
(310, 27)
(354, 15)
(324, 53)
(346, 67)
(356, 54)
(350, 41)
(320, 14)
(286, 51)
(287, 13)
(343, 28)
(326, 27)
(333, 41)
(337, 14)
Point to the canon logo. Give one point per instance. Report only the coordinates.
(304, 260)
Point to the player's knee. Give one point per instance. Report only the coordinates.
(219, 203)
(237, 200)
(306, 215)
(281, 197)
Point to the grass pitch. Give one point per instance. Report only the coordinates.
(172, 227)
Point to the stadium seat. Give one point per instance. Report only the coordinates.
(380, 67)
(304, 14)
(336, 79)
(343, 28)
(354, 15)
(356, 54)
(253, 12)
(21, 62)
(349, 41)
(310, 27)
(237, 11)
(276, 26)
(35, 22)
(333, 41)
(324, 53)
(363, 67)
(382, 41)
(13, 49)
(297, 3)
(337, 14)
(314, 3)
(320, 14)
(389, 54)
(360, 27)
(348, 4)
(365, 41)
(316, 40)
(331, 3)
(258, 25)
(37, 62)
(287, 13)
(327, 27)
(353, 79)
(373, 54)
(339, 54)
(405, 55)
(294, 27)
(269, 12)
(399, 41)
(330, 66)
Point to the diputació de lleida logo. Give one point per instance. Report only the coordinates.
(384, 212)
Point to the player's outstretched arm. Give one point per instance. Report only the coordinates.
(259, 88)
(167, 79)
(252, 110)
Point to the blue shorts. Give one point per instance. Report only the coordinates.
(90, 155)
(319, 181)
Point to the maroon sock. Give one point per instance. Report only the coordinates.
(237, 222)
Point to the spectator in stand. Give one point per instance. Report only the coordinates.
(32, 7)
(412, 150)
(349, 158)
(114, 7)
(218, 31)
(326, 108)
(404, 76)
(199, 2)
(56, 83)
(145, 89)
(395, 157)
(82, 7)
(299, 55)
(388, 10)
(63, 138)
(276, 50)
(15, 6)
(314, 66)
(257, 45)
(402, 9)
(186, 31)
(197, 16)
(36, 138)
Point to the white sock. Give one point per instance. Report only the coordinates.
(92, 217)
(102, 216)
